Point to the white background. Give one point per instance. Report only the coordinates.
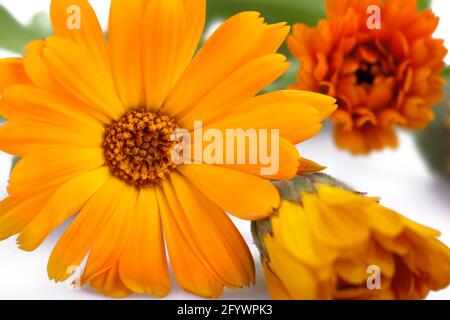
(399, 177)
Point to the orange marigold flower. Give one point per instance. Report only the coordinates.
(328, 242)
(92, 122)
(381, 77)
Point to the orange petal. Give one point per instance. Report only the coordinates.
(16, 212)
(39, 73)
(36, 67)
(110, 242)
(211, 233)
(252, 78)
(143, 264)
(79, 237)
(11, 73)
(88, 35)
(109, 283)
(296, 119)
(224, 187)
(125, 19)
(190, 271)
(61, 206)
(285, 168)
(52, 167)
(23, 102)
(164, 23)
(25, 137)
(79, 74)
(237, 41)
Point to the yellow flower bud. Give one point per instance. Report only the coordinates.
(327, 241)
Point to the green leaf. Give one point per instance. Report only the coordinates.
(14, 36)
(290, 11)
(434, 142)
(423, 4)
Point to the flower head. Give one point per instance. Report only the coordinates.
(328, 242)
(383, 73)
(93, 122)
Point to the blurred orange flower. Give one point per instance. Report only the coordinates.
(382, 75)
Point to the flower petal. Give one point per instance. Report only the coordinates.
(210, 232)
(78, 238)
(79, 74)
(224, 187)
(302, 281)
(109, 283)
(16, 212)
(110, 242)
(190, 271)
(163, 26)
(52, 167)
(11, 73)
(25, 137)
(252, 78)
(237, 41)
(274, 285)
(143, 264)
(61, 206)
(88, 35)
(296, 119)
(24, 102)
(125, 19)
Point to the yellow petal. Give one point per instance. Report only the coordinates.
(211, 233)
(78, 238)
(299, 280)
(17, 212)
(225, 187)
(292, 230)
(274, 285)
(163, 26)
(286, 166)
(25, 137)
(88, 35)
(78, 73)
(143, 264)
(36, 67)
(110, 242)
(296, 120)
(23, 102)
(125, 42)
(188, 268)
(109, 283)
(248, 151)
(61, 206)
(195, 12)
(252, 78)
(39, 73)
(52, 167)
(11, 73)
(238, 40)
(332, 226)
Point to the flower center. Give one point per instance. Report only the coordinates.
(366, 74)
(138, 147)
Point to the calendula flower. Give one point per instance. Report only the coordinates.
(328, 242)
(379, 59)
(93, 122)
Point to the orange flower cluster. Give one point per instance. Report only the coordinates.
(382, 75)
